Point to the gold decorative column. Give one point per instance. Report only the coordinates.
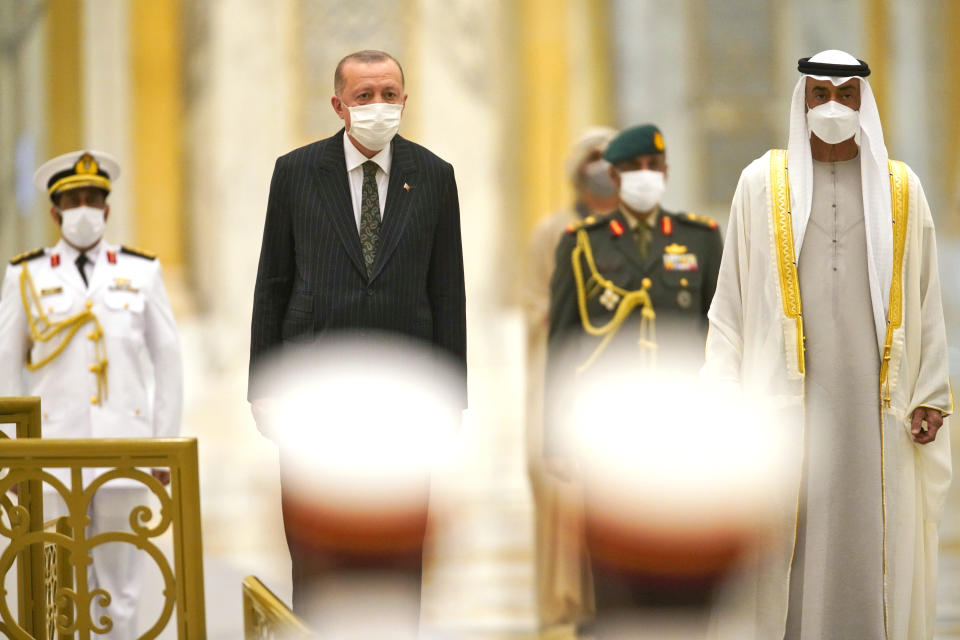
(878, 38)
(64, 77)
(541, 105)
(155, 52)
(950, 85)
(600, 63)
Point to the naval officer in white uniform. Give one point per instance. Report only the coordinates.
(87, 326)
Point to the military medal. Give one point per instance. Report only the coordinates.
(680, 261)
(684, 299)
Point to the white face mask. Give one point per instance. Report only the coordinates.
(83, 226)
(833, 122)
(596, 179)
(641, 190)
(374, 125)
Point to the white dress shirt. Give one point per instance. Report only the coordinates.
(355, 161)
(70, 255)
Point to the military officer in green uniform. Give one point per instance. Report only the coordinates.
(630, 293)
(639, 274)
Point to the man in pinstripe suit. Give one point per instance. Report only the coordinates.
(362, 234)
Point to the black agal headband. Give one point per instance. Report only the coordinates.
(808, 68)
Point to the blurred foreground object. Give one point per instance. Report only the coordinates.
(826, 308)
(356, 469)
(681, 483)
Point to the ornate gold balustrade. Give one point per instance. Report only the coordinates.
(265, 617)
(31, 462)
(24, 413)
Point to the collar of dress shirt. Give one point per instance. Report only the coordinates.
(354, 158)
(632, 222)
(69, 254)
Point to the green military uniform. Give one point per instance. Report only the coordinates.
(628, 298)
(658, 275)
(678, 272)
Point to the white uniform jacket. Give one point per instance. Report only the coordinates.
(127, 296)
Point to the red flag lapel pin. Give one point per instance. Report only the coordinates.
(406, 187)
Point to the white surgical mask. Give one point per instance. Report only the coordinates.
(374, 125)
(596, 179)
(83, 226)
(833, 122)
(641, 190)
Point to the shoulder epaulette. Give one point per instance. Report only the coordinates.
(138, 252)
(587, 223)
(27, 255)
(702, 221)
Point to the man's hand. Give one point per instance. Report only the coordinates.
(163, 475)
(934, 420)
(265, 411)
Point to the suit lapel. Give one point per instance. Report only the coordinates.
(396, 211)
(331, 177)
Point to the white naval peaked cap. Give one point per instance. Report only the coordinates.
(82, 168)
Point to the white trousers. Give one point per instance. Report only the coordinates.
(117, 567)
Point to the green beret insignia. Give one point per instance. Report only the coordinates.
(642, 140)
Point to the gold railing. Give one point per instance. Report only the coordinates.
(31, 600)
(265, 617)
(29, 463)
(56, 576)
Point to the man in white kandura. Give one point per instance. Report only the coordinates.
(828, 303)
(85, 325)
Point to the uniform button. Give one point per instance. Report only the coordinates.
(683, 282)
(94, 399)
(646, 283)
(46, 416)
(92, 335)
(93, 367)
(137, 412)
(89, 303)
(49, 309)
(369, 291)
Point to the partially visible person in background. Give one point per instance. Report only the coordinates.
(65, 313)
(616, 274)
(564, 595)
(637, 257)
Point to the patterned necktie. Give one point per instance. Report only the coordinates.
(81, 262)
(369, 215)
(641, 236)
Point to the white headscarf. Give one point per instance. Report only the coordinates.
(875, 179)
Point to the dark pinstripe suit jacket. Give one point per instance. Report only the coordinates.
(312, 280)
